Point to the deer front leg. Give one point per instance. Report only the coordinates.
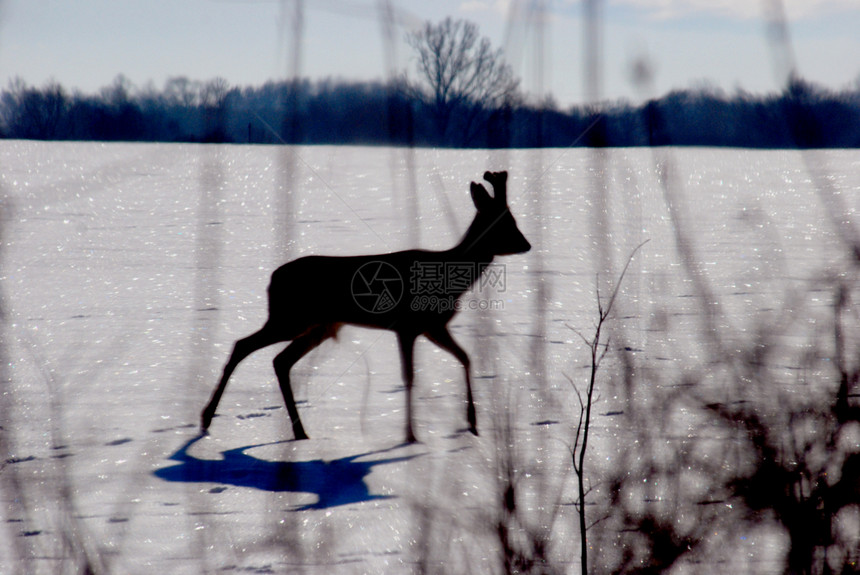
(407, 347)
(285, 360)
(242, 349)
(442, 337)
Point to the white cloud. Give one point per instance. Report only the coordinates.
(739, 9)
(500, 7)
(474, 6)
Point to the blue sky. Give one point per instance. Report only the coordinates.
(84, 44)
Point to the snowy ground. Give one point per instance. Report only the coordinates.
(129, 270)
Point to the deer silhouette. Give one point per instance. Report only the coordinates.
(310, 298)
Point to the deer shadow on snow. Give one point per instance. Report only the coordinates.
(335, 482)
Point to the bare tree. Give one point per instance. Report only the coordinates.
(182, 91)
(460, 75)
(213, 96)
(119, 93)
(213, 93)
(33, 113)
(598, 349)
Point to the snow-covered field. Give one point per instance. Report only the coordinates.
(129, 270)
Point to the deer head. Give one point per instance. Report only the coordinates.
(494, 230)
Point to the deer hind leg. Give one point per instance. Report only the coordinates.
(242, 349)
(285, 360)
(407, 347)
(442, 337)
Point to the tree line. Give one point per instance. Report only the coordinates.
(377, 113)
(462, 94)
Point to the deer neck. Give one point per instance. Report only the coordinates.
(473, 246)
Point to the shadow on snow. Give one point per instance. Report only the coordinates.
(336, 482)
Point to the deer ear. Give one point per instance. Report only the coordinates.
(480, 197)
(501, 177)
(500, 187)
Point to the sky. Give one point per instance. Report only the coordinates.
(85, 44)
